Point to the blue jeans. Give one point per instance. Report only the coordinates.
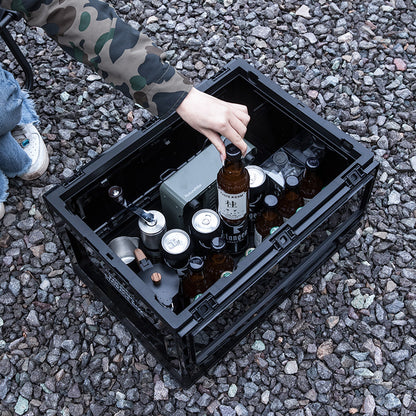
(16, 109)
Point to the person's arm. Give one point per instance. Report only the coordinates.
(92, 33)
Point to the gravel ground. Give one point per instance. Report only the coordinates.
(345, 343)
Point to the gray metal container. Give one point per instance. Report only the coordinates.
(151, 235)
(124, 247)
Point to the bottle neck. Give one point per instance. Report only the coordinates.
(310, 173)
(196, 274)
(233, 166)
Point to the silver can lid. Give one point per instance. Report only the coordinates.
(160, 224)
(205, 221)
(280, 159)
(257, 176)
(175, 241)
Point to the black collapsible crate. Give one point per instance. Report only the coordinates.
(188, 343)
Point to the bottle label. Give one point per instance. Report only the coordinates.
(237, 236)
(232, 206)
(257, 238)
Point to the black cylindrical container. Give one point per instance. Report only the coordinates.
(176, 248)
(205, 225)
(258, 184)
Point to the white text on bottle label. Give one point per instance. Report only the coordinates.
(232, 206)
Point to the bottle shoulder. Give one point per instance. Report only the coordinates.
(234, 183)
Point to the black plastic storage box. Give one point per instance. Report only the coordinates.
(189, 341)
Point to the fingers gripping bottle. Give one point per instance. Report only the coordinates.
(233, 183)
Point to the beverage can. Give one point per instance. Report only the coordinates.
(281, 160)
(176, 247)
(256, 191)
(151, 235)
(205, 225)
(257, 182)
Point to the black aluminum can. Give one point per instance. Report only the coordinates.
(258, 183)
(205, 225)
(176, 248)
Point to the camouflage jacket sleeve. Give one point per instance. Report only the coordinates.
(91, 32)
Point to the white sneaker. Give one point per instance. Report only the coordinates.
(32, 143)
(1, 210)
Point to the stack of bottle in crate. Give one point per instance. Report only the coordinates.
(253, 202)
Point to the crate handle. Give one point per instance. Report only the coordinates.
(354, 176)
(203, 307)
(284, 238)
(165, 175)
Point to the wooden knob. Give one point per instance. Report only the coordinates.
(156, 278)
(139, 255)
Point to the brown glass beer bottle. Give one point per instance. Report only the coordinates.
(311, 184)
(218, 261)
(268, 218)
(194, 282)
(233, 183)
(291, 199)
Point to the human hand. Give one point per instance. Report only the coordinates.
(214, 117)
